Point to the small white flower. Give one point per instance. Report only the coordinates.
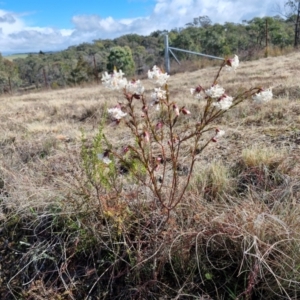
(215, 91)
(263, 96)
(224, 102)
(219, 133)
(160, 77)
(114, 81)
(135, 87)
(105, 77)
(158, 94)
(196, 92)
(119, 74)
(232, 63)
(155, 102)
(155, 72)
(104, 157)
(121, 83)
(116, 113)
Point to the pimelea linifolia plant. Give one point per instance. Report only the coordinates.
(162, 132)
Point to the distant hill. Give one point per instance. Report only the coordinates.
(15, 56)
(11, 57)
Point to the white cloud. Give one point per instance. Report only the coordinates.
(10, 22)
(7, 18)
(16, 36)
(66, 32)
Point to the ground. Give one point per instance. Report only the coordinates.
(245, 188)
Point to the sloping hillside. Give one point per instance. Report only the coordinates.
(234, 234)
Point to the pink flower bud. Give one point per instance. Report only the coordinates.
(176, 109)
(198, 89)
(233, 62)
(159, 125)
(125, 149)
(219, 133)
(146, 136)
(185, 111)
(222, 97)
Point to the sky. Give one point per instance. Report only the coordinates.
(52, 25)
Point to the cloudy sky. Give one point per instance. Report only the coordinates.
(49, 25)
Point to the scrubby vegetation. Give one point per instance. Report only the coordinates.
(74, 227)
(83, 63)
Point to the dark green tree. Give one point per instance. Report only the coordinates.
(121, 58)
(293, 7)
(9, 77)
(80, 73)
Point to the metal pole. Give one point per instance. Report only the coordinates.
(267, 33)
(196, 53)
(167, 57)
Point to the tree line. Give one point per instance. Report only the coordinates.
(135, 54)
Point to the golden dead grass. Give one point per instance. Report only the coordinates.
(40, 140)
(77, 107)
(48, 124)
(60, 116)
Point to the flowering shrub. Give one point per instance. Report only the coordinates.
(159, 138)
(263, 96)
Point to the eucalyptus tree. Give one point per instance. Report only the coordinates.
(121, 59)
(292, 13)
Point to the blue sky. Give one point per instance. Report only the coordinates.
(33, 25)
(59, 13)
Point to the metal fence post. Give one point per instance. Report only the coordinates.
(168, 50)
(167, 57)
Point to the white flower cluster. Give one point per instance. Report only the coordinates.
(160, 77)
(215, 91)
(135, 87)
(232, 63)
(263, 96)
(116, 113)
(157, 96)
(114, 81)
(196, 92)
(224, 102)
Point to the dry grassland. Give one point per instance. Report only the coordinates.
(244, 197)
